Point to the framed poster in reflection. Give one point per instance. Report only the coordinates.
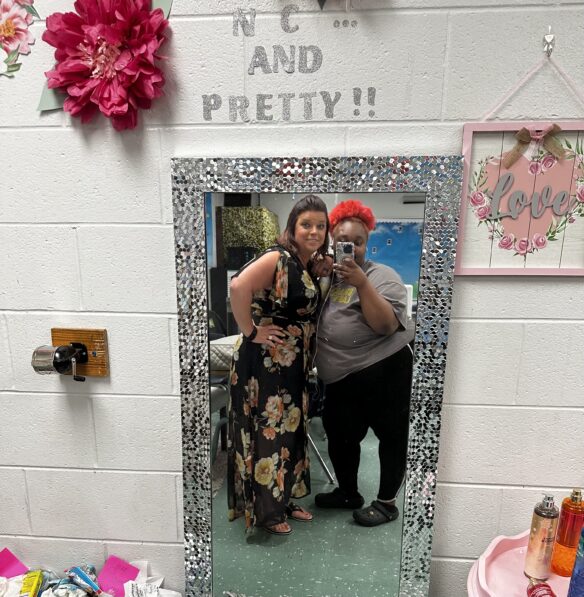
(398, 244)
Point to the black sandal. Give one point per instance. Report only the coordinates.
(375, 514)
(272, 530)
(291, 508)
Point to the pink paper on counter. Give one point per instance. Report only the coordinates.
(114, 574)
(10, 565)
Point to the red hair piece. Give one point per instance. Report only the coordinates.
(352, 209)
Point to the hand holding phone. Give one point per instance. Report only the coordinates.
(346, 268)
(344, 250)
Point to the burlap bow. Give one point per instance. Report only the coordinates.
(526, 135)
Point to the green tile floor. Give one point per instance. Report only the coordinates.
(331, 556)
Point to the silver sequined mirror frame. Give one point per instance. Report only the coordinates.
(440, 179)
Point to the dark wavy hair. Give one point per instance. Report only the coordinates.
(308, 203)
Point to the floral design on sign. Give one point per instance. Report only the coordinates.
(16, 16)
(107, 55)
(526, 206)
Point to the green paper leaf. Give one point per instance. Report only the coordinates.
(165, 5)
(32, 10)
(11, 57)
(12, 68)
(51, 99)
(7, 75)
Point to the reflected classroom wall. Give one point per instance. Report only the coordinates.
(92, 469)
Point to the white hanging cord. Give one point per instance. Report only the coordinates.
(514, 90)
(568, 80)
(548, 44)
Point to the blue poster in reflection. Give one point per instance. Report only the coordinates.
(398, 244)
(210, 230)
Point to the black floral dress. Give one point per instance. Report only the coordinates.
(268, 456)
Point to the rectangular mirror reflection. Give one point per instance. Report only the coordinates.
(309, 421)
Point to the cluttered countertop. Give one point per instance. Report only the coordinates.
(117, 578)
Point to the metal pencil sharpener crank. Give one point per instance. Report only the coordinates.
(79, 352)
(60, 359)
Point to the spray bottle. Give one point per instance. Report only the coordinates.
(577, 582)
(568, 535)
(541, 539)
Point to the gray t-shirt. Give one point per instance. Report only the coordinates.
(346, 343)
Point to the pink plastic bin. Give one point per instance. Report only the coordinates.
(499, 570)
(472, 583)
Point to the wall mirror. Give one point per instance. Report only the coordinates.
(226, 212)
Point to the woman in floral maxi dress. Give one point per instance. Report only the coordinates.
(275, 300)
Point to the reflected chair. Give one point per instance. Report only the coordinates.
(217, 327)
(220, 359)
(219, 398)
(315, 408)
(319, 457)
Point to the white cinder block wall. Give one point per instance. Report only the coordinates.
(86, 236)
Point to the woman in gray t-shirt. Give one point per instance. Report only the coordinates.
(365, 362)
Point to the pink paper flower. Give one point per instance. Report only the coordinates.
(523, 246)
(549, 161)
(106, 54)
(580, 194)
(483, 212)
(477, 199)
(25, 2)
(534, 168)
(539, 240)
(14, 23)
(507, 241)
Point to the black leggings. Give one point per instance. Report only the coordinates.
(377, 397)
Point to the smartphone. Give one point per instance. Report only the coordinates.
(344, 250)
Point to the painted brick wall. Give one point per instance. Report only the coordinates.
(86, 237)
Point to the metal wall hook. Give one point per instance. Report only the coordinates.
(549, 42)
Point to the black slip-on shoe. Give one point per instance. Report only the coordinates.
(375, 514)
(338, 499)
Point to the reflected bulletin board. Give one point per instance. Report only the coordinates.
(398, 244)
(522, 209)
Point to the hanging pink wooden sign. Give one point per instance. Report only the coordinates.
(522, 210)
